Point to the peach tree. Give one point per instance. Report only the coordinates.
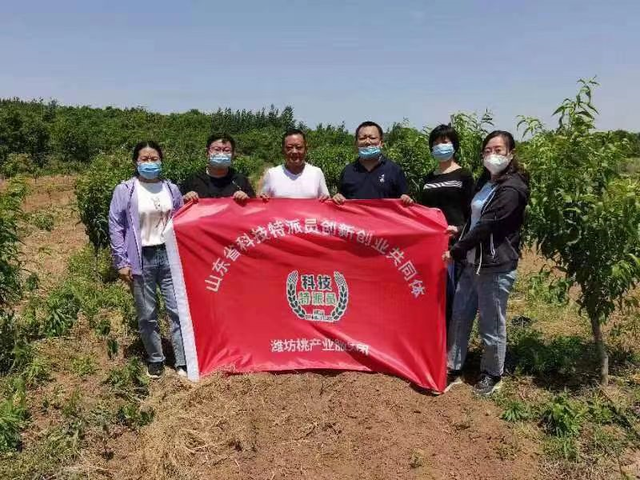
(584, 213)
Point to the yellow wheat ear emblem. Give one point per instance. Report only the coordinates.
(318, 292)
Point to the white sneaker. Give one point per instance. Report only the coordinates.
(181, 371)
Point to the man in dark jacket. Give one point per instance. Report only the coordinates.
(219, 179)
(372, 175)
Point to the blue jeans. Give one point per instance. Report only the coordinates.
(156, 274)
(487, 295)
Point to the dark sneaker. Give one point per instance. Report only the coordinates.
(454, 377)
(155, 369)
(487, 385)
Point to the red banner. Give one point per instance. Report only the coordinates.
(300, 284)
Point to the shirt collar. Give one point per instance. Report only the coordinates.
(381, 161)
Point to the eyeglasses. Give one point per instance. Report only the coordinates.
(496, 150)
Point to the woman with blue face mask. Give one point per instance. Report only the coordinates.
(218, 179)
(448, 187)
(140, 209)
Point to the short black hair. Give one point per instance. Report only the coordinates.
(146, 144)
(291, 132)
(224, 137)
(444, 131)
(369, 123)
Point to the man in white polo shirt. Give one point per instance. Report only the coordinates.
(295, 178)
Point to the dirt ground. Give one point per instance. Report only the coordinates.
(306, 425)
(46, 253)
(319, 426)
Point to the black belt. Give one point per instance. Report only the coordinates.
(155, 247)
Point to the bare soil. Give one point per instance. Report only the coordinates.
(46, 253)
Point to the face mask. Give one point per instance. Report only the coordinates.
(443, 152)
(496, 163)
(367, 153)
(150, 170)
(220, 160)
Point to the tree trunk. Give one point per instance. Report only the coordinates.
(596, 328)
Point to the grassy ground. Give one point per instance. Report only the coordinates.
(77, 403)
(585, 431)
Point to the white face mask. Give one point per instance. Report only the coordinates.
(496, 163)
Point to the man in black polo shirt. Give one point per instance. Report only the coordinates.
(372, 175)
(219, 179)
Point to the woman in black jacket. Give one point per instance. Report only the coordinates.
(489, 248)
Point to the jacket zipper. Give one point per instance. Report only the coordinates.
(138, 249)
(484, 207)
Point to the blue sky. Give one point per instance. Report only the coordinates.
(331, 60)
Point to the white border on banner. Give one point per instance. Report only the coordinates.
(186, 325)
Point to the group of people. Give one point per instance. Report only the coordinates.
(484, 216)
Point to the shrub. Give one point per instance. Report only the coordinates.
(32, 282)
(331, 159)
(537, 356)
(62, 311)
(13, 416)
(129, 380)
(562, 417)
(43, 221)
(516, 411)
(15, 350)
(8, 339)
(36, 371)
(10, 212)
(131, 415)
(83, 366)
(542, 286)
(18, 164)
(94, 190)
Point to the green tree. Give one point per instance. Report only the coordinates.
(24, 129)
(10, 266)
(410, 149)
(472, 130)
(583, 214)
(332, 159)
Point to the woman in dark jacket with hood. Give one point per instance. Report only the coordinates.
(489, 248)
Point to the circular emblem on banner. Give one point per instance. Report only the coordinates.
(317, 298)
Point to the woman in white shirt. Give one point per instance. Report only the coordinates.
(295, 178)
(140, 210)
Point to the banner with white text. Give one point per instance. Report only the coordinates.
(301, 284)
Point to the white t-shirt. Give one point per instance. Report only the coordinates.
(281, 183)
(154, 210)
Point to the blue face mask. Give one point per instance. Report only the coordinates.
(150, 170)
(443, 152)
(220, 160)
(369, 152)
